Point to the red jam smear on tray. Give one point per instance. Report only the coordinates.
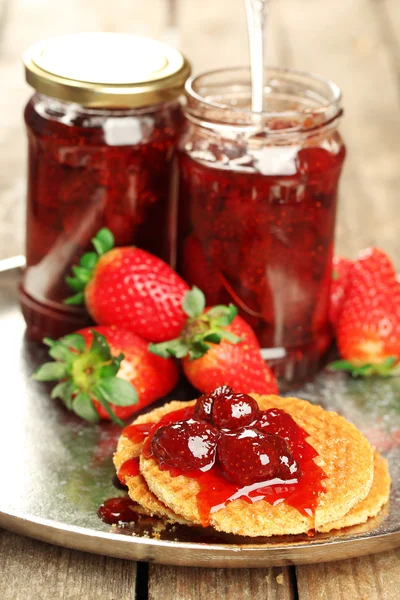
(82, 175)
(118, 510)
(292, 475)
(264, 242)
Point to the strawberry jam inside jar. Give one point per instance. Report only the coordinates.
(257, 206)
(102, 130)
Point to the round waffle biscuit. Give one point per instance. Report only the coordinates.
(137, 486)
(371, 505)
(345, 455)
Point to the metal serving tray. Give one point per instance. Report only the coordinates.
(55, 470)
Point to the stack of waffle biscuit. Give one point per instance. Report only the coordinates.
(356, 486)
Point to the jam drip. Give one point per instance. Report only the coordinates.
(129, 468)
(118, 510)
(270, 459)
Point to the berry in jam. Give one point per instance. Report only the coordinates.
(185, 445)
(247, 456)
(203, 408)
(234, 411)
(118, 510)
(257, 206)
(270, 255)
(81, 178)
(279, 422)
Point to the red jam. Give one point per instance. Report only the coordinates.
(118, 510)
(129, 468)
(264, 242)
(137, 433)
(275, 463)
(92, 168)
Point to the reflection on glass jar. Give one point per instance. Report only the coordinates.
(100, 155)
(257, 206)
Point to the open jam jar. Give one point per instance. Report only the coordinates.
(102, 130)
(257, 206)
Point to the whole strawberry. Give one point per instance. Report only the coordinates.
(130, 288)
(217, 347)
(340, 278)
(368, 331)
(106, 373)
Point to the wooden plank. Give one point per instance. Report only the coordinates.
(374, 577)
(183, 583)
(34, 570)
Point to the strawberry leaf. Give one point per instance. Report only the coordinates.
(103, 241)
(83, 407)
(198, 349)
(116, 391)
(51, 371)
(194, 302)
(74, 341)
(62, 353)
(112, 368)
(75, 284)
(230, 337)
(341, 365)
(223, 315)
(78, 298)
(177, 348)
(105, 404)
(100, 347)
(65, 391)
(88, 261)
(214, 337)
(383, 369)
(81, 274)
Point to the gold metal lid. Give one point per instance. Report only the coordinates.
(106, 70)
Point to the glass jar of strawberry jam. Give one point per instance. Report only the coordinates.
(102, 130)
(257, 206)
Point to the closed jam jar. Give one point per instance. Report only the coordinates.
(257, 206)
(102, 130)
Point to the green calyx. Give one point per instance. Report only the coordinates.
(202, 329)
(82, 273)
(85, 375)
(384, 369)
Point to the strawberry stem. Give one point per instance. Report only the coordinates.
(202, 329)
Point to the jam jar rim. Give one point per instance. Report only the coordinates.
(107, 111)
(314, 118)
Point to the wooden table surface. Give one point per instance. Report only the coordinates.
(354, 42)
